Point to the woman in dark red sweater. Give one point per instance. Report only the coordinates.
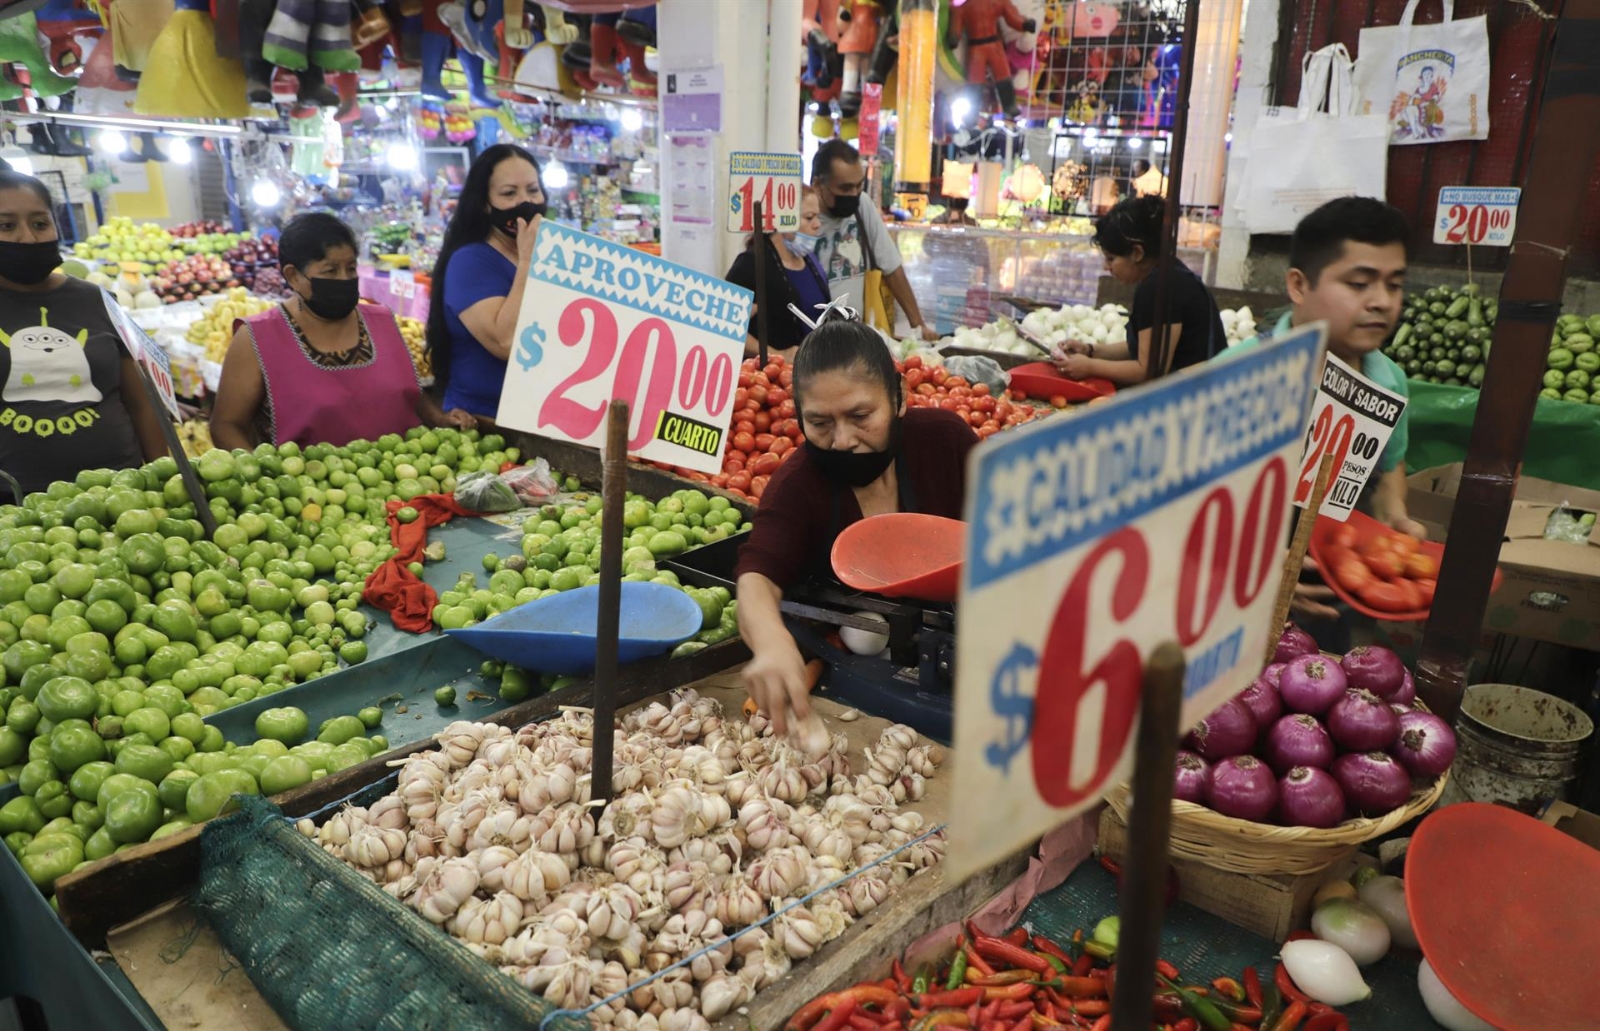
(864, 455)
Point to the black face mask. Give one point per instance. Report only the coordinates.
(855, 468)
(505, 219)
(844, 207)
(29, 263)
(332, 299)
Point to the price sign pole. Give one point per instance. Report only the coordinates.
(1296, 558)
(613, 492)
(762, 320)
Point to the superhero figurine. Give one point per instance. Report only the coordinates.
(824, 71)
(19, 45)
(66, 26)
(863, 18)
(979, 21)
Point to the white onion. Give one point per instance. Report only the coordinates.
(1387, 897)
(1444, 1007)
(1324, 971)
(865, 642)
(1354, 927)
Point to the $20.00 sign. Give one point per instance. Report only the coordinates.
(601, 321)
(1352, 418)
(1161, 516)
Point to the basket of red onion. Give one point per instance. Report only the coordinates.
(1316, 756)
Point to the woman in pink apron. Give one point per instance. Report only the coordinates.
(321, 368)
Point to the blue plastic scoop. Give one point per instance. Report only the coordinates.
(557, 634)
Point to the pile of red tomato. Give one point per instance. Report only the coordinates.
(1387, 571)
(766, 428)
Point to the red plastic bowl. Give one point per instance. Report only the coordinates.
(1367, 528)
(902, 555)
(1041, 381)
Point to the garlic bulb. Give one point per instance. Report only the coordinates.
(443, 888)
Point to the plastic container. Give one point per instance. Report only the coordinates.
(1516, 746)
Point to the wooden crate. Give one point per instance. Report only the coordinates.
(1272, 906)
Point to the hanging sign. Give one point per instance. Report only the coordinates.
(403, 283)
(1158, 516)
(149, 354)
(1352, 419)
(868, 119)
(772, 179)
(601, 321)
(1477, 215)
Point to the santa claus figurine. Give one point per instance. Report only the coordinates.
(979, 22)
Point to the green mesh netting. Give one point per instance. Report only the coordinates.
(331, 951)
(1203, 946)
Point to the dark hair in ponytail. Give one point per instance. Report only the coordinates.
(845, 345)
(1133, 220)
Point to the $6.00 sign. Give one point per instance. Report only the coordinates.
(599, 322)
(1161, 516)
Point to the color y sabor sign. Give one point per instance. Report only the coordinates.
(150, 355)
(772, 179)
(1160, 516)
(599, 322)
(1352, 418)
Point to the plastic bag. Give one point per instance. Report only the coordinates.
(1570, 525)
(975, 370)
(533, 484)
(483, 491)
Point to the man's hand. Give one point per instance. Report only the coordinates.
(1313, 602)
(1074, 366)
(1407, 525)
(776, 680)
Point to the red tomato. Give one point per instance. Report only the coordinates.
(1388, 564)
(1403, 544)
(1385, 597)
(739, 481)
(1058, 401)
(772, 372)
(764, 441)
(1345, 536)
(782, 446)
(740, 396)
(745, 373)
(743, 426)
(1376, 544)
(926, 389)
(958, 381)
(786, 410)
(763, 421)
(949, 404)
(986, 431)
(914, 362)
(1352, 574)
(913, 378)
(939, 375)
(758, 394)
(1334, 555)
(734, 463)
(1422, 567)
(981, 389)
(976, 418)
(765, 465)
(719, 480)
(751, 408)
(1426, 588)
(960, 392)
(786, 378)
(744, 442)
(776, 396)
(759, 484)
(759, 379)
(990, 425)
(983, 402)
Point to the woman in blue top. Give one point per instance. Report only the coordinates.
(479, 278)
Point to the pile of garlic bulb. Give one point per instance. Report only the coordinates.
(715, 825)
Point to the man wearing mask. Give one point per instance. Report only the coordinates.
(854, 238)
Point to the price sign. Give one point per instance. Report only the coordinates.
(1352, 419)
(867, 120)
(149, 354)
(772, 179)
(1156, 517)
(1477, 215)
(403, 283)
(599, 322)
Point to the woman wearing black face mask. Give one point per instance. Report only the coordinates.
(321, 368)
(865, 454)
(479, 278)
(72, 397)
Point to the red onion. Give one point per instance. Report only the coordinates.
(1261, 698)
(1362, 722)
(1230, 730)
(1189, 778)
(1298, 740)
(1373, 668)
(1310, 798)
(1242, 787)
(1373, 782)
(1407, 692)
(1272, 673)
(1311, 684)
(1293, 642)
(1426, 745)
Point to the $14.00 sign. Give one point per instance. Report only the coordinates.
(1161, 516)
(1352, 418)
(772, 179)
(601, 321)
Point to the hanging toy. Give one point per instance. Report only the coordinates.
(604, 50)
(134, 26)
(862, 18)
(979, 21)
(256, 50)
(1086, 109)
(184, 77)
(1026, 51)
(636, 32)
(19, 45)
(69, 30)
(311, 33)
(540, 65)
(474, 46)
(435, 50)
(824, 67)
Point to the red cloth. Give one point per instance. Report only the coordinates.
(394, 588)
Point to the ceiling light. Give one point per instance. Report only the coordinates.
(555, 176)
(179, 151)
(402, 157)
(265, 193)
(632, 120)
(112, 142)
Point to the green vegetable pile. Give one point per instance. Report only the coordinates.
(1572, 368)
(1444, 336)
(121, 627)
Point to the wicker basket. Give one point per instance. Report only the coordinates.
(1244, 846)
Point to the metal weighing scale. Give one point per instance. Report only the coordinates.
(912, 684)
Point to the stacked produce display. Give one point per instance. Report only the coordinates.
(715, 824)
(123, 627)
(214, 330)
(1444, 335)
(1078, 323)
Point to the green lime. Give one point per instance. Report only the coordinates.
(445, 696)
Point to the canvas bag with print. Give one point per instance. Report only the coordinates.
(1432, 81)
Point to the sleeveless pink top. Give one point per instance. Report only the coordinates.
(314, 404)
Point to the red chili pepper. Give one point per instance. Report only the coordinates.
(1285, 985)
(1166, 970)
(941, 1018)
(1299, 936)
(990, 1008)
(1091, 1007)
(1004, 977)
(893, 1025)
(1017, 936)
(1013, 1010)
(1082, 987)
(1293, 1014)
(1050, 948)
(1317, 1009)
(961, 998)
(999, 950)
(892, 984)
(1023, 1023)
(1082, 965)
(973, 1013)
(1111, 866)
(839, 1017)
(1041, 1021)
(901, 978)
(1166, 1008)
(862, 1022)
(1187, 1024)
(1103, 1024)
(809, 1014)
(1252, 987)
(1007, 993)
(977, 962)
(1228, 988)
(1330, 1021)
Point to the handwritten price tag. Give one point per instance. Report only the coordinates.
(150, 355)
(403, 283)
(772, 179)
(1156, 517)
(1477, 215)
(1352, 418)
(601, 321)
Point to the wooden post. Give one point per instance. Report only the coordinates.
(1142, 897)
(1295, 560)
(191, 479)
(763, 317)
(1560, 167)
(1160, 342)
(613, 492)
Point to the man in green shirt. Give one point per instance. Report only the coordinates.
(1347, 267)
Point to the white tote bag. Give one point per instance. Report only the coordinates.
(1430, 81)
(1302, 157)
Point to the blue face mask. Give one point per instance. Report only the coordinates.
(804, 243)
